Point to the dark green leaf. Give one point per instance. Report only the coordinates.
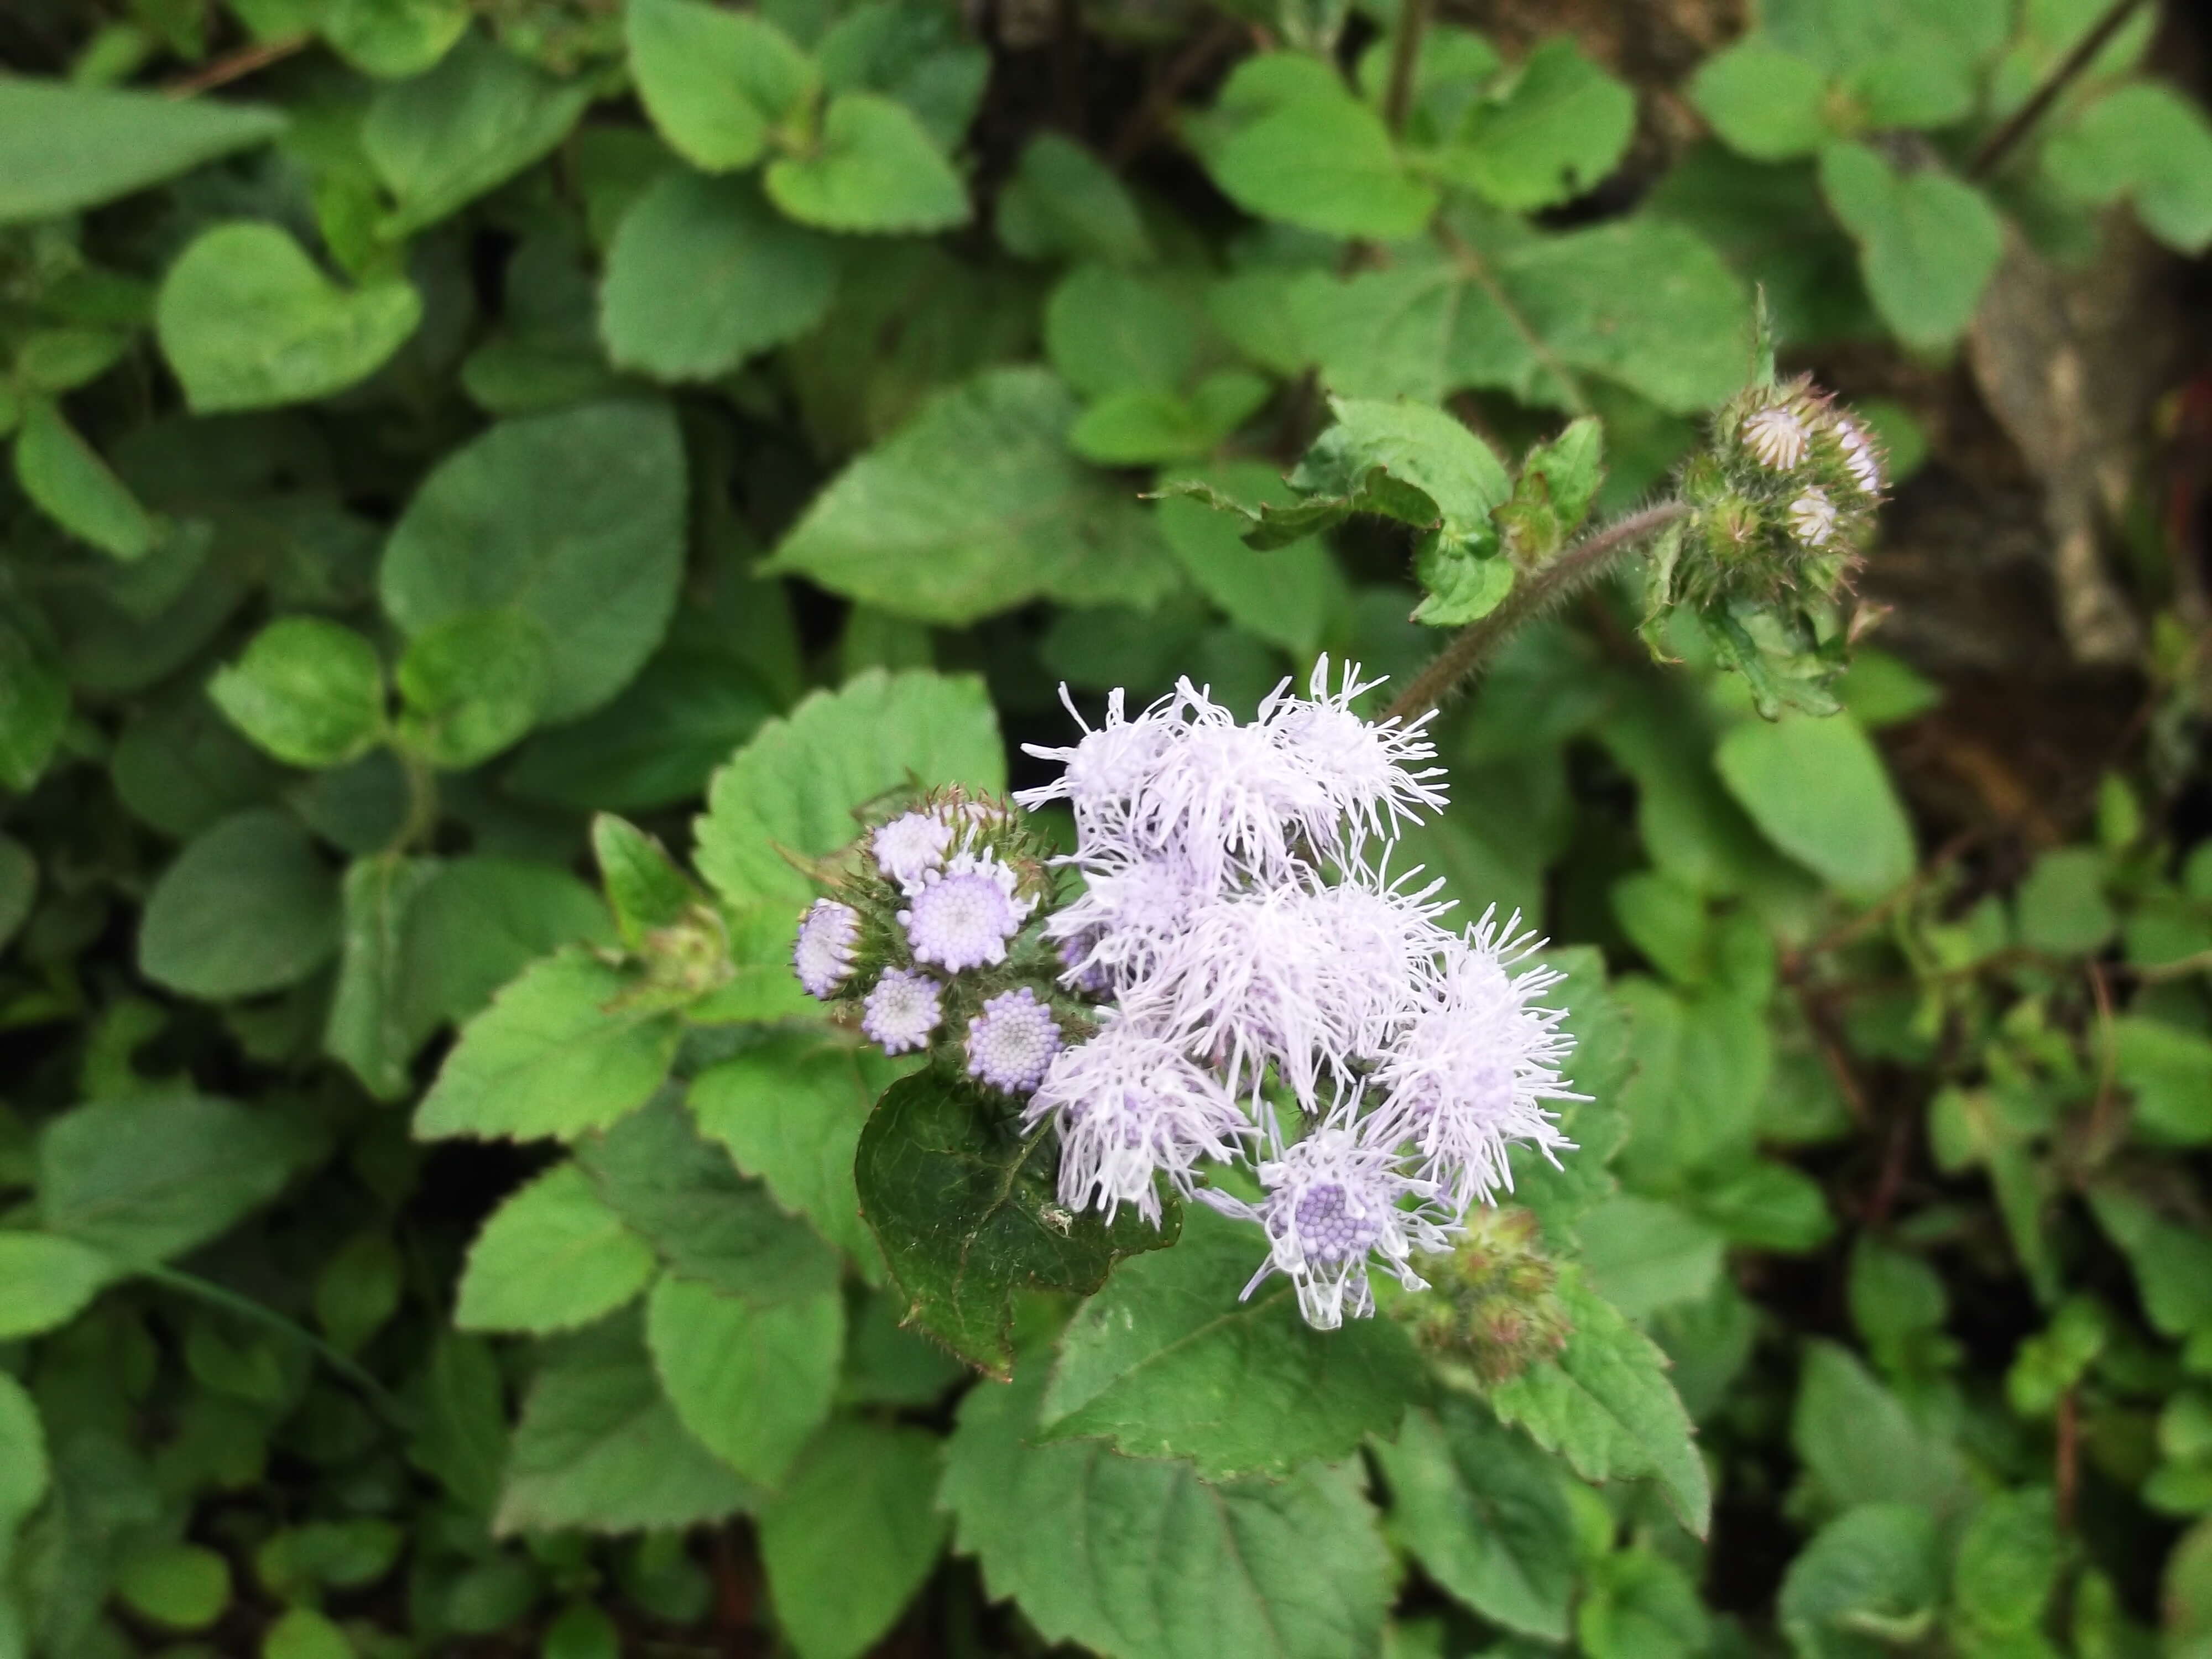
(716, 83)
(311, 692)
(554, 1257)
(248, 908)
(750, 1381)
(1873, 1572)
(472, 685)
(1554, 134)
(63, 148)
(151, 1175)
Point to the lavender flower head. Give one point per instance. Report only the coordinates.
(902, 1012)
(961, 916)
(911, 845)
(823, 958)
(1011, 1041)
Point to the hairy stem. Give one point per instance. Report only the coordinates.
(2024, 119)
(1534, 592)
(380, 1399)
(1405, 59)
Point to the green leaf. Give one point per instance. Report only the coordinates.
(853, 1536)
(1138, 428)
(358, 1290)
(1287, 596)
(1554, 134)
(599, 1448)
(63, 147)
(304, 1633)
(1107, 329)
(1604, 1405)
(1167, 1360)
(1763, 100)
(1640, 1605)
(442, 139)
(2169, 1072)
(574, 520)
(2145, 141)
(1462, 584)
(752, 1381)
(911, 51)
(1303, 150)
(148, 1177)
(557, 1053)
(1137, 1559)
(1863, 1446)
(24, 1470)
(176, 1586)
(1764, 1205)
(553, 1257)
(796, 785)
(471, 684)
(873, 168)
(1819, 789)
(2008, 1564)
(749, 280)
(646, 889)
(2060, 906)
(310, 692)
(1927, 243)
(716, 83)
(460, 1411)
(974, 507)
(967, 1217)
(1642, 1254)
(790, 1110)
(248, 321)
(45, 1281)
(1873, 1572)
(1482, 1511)
(34, 705)
(1062, 202)
(71, 485)
(248, 906)
(2173, 1263)
(1439, 474)
(394, 39)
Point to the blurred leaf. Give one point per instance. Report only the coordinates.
(24, 1471)
(2061, 905)
(553, 1257)
(1873, 1572)
(34, 706)
(975, 507)
(45, 1281)
(1641, 1606)
(1286, 596)
(716, 83)
(873, 169)
(1863, 1446)
(1819, 790)
(394, 39)
(1062, 202)
(1133, 1558)
(1558, 129)
(248, 321)
(2173, 1263)
(572, 520)
(311, 692)
(248, 908)
(751, 1382)
(2145, 142)
(1763, 100)
(2008, 1564)
(557, 1053)
(1149, 1360)
(63, 148)
(599, 1448)
(176, 1586)
(1927, 243)
(471, 685)
(1301, 148)
(853, 1536)
(1642, 1254)
(914, 52)
(2170, 1072)
(151, 1175)
(749, 279)
(74, 488)
(967, 1217)
(1480, 1509)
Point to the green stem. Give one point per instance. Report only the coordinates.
(1405, 60)
(1534, 592)
(2024, 119)
(1476, 270)
(379, 1398)
(422, 801)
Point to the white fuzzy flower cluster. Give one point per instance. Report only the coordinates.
(1274, 998)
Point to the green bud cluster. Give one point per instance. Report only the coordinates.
(1493, 1310)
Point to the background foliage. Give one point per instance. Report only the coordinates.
(427, 1216)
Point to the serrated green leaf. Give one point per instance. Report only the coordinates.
(915, 53)
(1168, 1360)
(747, 279)
(1604, 1405)
(790, 1110)
(74, 487)
(1482, 1511)
(1286, 595)
(967, 1217)
(443, 138)
(248, 321)
(558, 1053)
(599, 1448)
(1554, 134)
(873, 169)
(63, 147)
(751, 1382)
(554, 1257)
(853, 1536)
(574, 520)
(975, 506)
(150, 1176)
(1138, 1560)
(1927, 243)
(716, 83)
(471, 685)
(1762, 100)
(248, 906)
(309, 691)
(796, 785)
(45, 1281)
(645, 889)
